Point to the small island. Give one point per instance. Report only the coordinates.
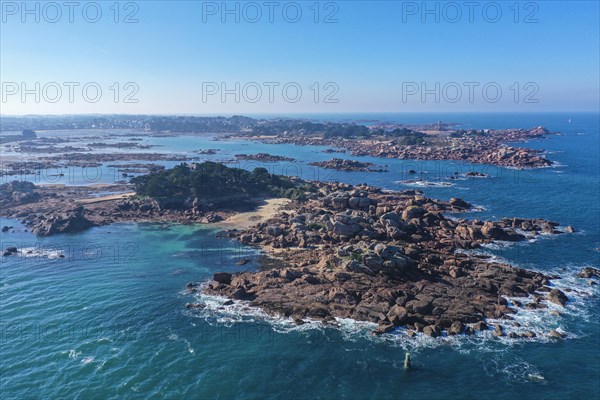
(262, 157)
(340, 164)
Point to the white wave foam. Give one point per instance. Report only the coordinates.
(40, 252)
(175, 337)
(420, 183)
(514, 371)
(87, 360)
(73, 353)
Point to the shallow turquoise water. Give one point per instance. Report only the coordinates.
(109, 319)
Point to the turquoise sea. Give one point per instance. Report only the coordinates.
(108, 321)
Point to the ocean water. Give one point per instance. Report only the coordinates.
(109, 319)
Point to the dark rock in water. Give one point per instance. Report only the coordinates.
(476, 174)
(240, 294)
(195, 305)
(412, 171)
(214, 285)
(6, 228)
(456, 328)
(569, 229)
(340, 164)
(460, 203)
(589, 272)
(228, 303)
(499, 330)
(556, 334)
(528, 334)
(480, 326)
(11, 249)
(222, 277)
(418, 326)
(556, 296)
(432, 330)
(243, 261)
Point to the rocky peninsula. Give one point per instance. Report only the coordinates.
(211, 192)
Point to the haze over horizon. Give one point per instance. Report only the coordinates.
(299, 57)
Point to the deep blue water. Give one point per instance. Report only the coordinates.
(109, 320)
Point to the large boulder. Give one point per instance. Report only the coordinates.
(70, 222)
(274, 230)
(222, 277)
(397, 314)
(557, 296)
(411, 212)
(374, 262)
(459, 203)
(347, 230)
(456, 328)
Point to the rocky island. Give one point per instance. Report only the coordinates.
(340, 164)
(262, 157)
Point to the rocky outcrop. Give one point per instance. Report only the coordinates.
(589, 272)
(69, 222)
(55, 209)
(389, 258)
(340, 164)
(556, 296)
(262, 157)
(17, 193)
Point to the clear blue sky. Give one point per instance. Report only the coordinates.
(377, 55)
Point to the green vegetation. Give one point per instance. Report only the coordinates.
(315, 226)
(357, 257)
(216, 182)
(403, 136)
(346, 131)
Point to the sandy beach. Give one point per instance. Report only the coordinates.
(247, 219)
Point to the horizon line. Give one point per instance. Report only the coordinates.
(298, 113)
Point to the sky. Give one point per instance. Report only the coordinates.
(215, 57)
